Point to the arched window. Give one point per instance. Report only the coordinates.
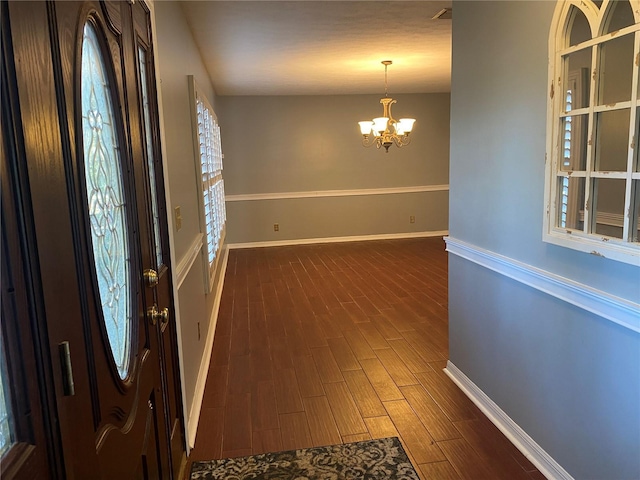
(593, 171)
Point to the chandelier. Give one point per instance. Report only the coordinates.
(384, 131)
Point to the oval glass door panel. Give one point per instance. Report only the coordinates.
(105, 201)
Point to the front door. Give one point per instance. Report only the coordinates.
(85, 113)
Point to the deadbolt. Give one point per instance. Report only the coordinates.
(150, 277)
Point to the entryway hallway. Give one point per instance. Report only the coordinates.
(335, 343)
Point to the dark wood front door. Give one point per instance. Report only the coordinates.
(83, 110)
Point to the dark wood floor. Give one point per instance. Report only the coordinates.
(335, 343)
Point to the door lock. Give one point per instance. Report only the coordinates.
(150, 277)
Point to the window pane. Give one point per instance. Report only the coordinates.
(6, 423)
(616, 67)
(106, 204)
(612, 140)
(211, 166)
(573, 143)
(608, 205)
(577, 84)
(619, 16)
(635, 225)
(596, 129)
(142, 61)
(636, 161)
(579, 30)
(570, 203)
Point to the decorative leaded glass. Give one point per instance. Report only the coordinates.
(6, 427)
(106, 203)
(150, 158)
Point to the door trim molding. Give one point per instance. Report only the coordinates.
(516, 435)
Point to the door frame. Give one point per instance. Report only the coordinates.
(170, 232)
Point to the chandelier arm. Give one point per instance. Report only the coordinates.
(400, 140)
(369, 141)
(403, 140)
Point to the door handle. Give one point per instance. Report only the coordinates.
(154, 315)
(67, 372)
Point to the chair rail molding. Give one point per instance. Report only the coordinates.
(188, 259)
(610, 307)
(336, 193)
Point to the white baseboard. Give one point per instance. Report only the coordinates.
(201, 381)
(357, 238)
(523, 442)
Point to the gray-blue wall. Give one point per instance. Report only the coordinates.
(285, 144)
(569, 378)
(178, 57)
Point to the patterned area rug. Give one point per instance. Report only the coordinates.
(370, 460)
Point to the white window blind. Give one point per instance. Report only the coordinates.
(213, 213)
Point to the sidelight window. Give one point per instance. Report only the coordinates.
(151, 162)
(593, 173)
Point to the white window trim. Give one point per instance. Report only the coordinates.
(615, 249)
(211, 248)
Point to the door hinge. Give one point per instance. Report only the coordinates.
(67, 372)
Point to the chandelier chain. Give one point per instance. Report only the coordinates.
(385, 80)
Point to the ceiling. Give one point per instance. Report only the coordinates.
(322, 47)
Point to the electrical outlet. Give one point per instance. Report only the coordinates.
(178, 218)
(276, 227)
(412, 219)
